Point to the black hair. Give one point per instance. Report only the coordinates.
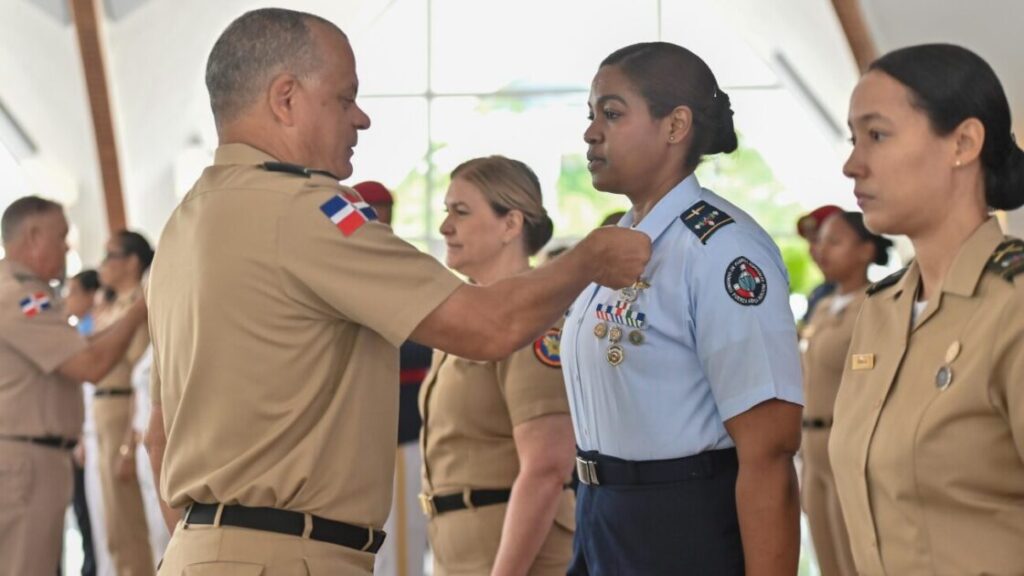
(135, 244)
(951, 84)
(89, 280)
(668, 76)
(22, 209)
(881, 243)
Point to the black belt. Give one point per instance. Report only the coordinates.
(434, 505)
(49, 441)
(102, 392)
(817, 423)
(288, 522)
(596, 469)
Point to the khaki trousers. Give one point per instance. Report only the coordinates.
(821, 503)
(35, 490)
(229, 551)
(465, 542)
(123, 510)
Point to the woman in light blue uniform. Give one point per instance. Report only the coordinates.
(685, 389)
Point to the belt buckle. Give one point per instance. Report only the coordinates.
(587, 471)
(427, 505)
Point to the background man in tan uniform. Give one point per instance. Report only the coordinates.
(42, 362)
(278, 305)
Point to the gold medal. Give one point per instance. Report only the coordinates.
(616, 354)
(600, 330)
(952, 352)
(636, 337)
(614, 334)
(944, 378)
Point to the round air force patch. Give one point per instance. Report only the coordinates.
(745, 282)
(547, 348)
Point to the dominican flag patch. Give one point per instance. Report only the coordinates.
(34, 304)
(347, 215)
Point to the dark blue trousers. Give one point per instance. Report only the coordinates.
(673, 529)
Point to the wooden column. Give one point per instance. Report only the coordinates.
(851, 18)
(85, 15)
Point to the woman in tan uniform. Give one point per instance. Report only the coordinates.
(928, 441)
(497, 437)
(845, 250)
(128, 256)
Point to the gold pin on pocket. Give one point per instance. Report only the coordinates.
(862, 361)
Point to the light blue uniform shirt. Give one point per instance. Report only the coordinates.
(718, 336)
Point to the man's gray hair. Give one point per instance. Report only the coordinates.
(22, 209)
(252, 50)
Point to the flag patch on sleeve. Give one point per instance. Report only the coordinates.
(347, 216)
(33, 304)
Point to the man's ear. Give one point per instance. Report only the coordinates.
(281, 97)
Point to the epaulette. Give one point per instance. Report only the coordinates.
(296, 169)
(887, 281)
(704, 220)
(1008, 259)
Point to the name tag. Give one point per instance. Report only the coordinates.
(862, 361)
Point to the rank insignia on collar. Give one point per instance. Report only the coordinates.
(547, 348)
(347, 216)
(1008, 259)
(33, 304)
(704, 220)
(745, 282)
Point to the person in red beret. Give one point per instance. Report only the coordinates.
(377, 195)
(808, 227)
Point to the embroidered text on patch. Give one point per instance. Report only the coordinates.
(347, 216)
(745, 282)
(34, 304)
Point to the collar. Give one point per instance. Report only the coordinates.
(242, 154)
(667, 210)
(968, 266)
(18, 271)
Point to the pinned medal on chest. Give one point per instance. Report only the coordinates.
(614, 320)
(944, 376)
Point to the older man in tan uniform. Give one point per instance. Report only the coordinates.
(278, 303)
(43, 360)
(928, 442)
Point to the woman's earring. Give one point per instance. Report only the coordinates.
(671, 138)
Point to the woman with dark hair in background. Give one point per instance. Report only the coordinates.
(685, 388)
(928, 441)
(497, 438)
(845, 249)
(127, 259)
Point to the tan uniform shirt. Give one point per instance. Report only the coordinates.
(931, 477)
(824, 343)
(470, 409)
(35, 339)
(275, 341)
(120, 376)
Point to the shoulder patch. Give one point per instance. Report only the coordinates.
(704, 220)
(745, 282)
(887, 281)
(34, 303)
(1008, 259)
(547, 348)
(347, 216)
(295, 169)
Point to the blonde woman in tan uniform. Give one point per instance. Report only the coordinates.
(497, 437)
(128, 257)
(846, 248)
(928, 441)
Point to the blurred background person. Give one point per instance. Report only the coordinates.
(404, 549)
(497, 437)
(845, 249)
(809, 226)
(82, 289)
(128, 256)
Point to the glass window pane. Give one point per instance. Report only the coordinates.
(390, 39)
(530, 44)
(393, 152)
